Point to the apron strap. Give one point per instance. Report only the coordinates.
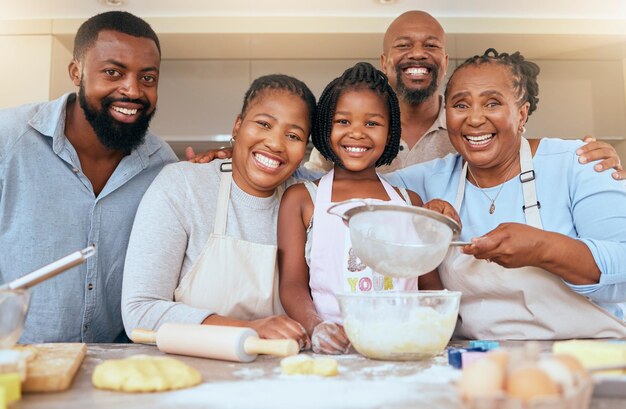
(405, 196)
(325, 188)
(460, 191)
(226, 178)
(527, 178)
(391, 192)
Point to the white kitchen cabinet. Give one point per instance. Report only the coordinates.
(199, 99)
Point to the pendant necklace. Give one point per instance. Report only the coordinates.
(492, 208)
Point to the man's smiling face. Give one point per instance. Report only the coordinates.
(118, 88)
(414, 56)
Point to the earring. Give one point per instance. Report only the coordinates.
(522, 130)
(232, 139)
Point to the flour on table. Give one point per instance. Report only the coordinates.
(280, 393)
(248, 373)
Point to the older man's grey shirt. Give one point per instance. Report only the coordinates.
(48, 209)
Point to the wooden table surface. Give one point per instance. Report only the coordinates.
(362, 383)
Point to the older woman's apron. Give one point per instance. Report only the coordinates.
(232, 277)
(334, 266)
(520, 303)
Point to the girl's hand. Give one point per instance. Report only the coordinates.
(330, 338)
(281, 327)
(445, 208)
(510, 245)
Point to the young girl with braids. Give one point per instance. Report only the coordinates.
(357, 127)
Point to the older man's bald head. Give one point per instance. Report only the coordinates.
(415, 21)
(414, 57)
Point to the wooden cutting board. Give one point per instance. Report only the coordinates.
(53, 367)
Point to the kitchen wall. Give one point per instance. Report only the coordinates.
(25, 69)
(200, 99)
(204, 76)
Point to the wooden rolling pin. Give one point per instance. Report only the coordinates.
(214, 341)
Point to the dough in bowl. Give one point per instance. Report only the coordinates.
(144, 373)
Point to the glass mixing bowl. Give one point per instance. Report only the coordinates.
(400, 326)
(13, 308)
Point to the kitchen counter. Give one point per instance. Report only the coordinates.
(362, 383)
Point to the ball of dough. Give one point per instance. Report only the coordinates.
(305, 365)
(143, 373)
(325, 367)
(297, 365)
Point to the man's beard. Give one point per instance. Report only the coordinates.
(416, 96)
(111, 133)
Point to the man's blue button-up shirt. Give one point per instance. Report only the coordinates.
(48, 209)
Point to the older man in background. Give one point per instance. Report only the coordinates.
(415, 60)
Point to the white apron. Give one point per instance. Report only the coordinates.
(520, 303)
(334, 266)
(232, 277)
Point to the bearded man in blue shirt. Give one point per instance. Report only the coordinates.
(72, 173)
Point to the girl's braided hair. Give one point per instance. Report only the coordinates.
(362, 76)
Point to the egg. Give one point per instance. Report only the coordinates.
(530, 382)
(559, 373)
(518, 359)
(501, 357)
(573, 364)
(483, 378)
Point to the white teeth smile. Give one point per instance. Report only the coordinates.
(479, 139)
(125, 111)
(264, 160)
(416, 70)
(355, 149)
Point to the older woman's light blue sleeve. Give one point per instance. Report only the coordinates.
(598, 205)
(302, 174)
(411, 178)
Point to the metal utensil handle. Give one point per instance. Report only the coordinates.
(51, 270)
(460, 243)
(331, 209)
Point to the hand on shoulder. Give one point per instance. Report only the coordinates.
(594, 150)
(208, 156)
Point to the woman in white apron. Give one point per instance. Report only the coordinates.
(548, 259)
(203, 246)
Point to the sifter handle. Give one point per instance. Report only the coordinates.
(143, 336)
(337, 212)
(50, 270)
(275, 347)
